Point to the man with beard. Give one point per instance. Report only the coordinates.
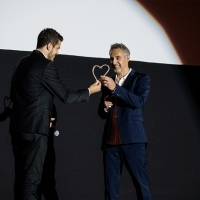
(124, 139)
(35, 83)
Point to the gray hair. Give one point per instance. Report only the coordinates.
(120, 46)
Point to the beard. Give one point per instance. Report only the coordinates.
(51, 56)
(117, 71)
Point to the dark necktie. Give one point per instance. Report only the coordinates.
(114, 135)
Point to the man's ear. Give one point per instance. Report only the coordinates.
(128, 58)
(49, 46)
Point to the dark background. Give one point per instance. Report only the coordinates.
(172, 116)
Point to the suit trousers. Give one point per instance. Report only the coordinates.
(29, 152)
(133, 156)
(47, 187)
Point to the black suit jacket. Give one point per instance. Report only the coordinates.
(35, 82)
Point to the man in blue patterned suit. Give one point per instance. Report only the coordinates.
(124, 139)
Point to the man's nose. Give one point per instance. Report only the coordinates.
(114, 61)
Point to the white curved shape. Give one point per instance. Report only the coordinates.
(89, 27)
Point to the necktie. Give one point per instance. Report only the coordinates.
(114, 135)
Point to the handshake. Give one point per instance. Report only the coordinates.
(105, 81)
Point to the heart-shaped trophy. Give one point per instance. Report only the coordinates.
(100, 67)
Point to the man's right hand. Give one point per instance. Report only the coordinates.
(96, 87)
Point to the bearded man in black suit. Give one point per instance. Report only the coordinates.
(35, 83)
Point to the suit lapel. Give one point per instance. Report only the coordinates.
(129, 77)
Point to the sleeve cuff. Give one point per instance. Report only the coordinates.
(89, 91)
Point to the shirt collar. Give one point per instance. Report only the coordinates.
(42, 53)
(117, 80)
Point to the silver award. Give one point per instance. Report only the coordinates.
(100, 67)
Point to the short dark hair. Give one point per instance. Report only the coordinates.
(119, 46)
(48, 35)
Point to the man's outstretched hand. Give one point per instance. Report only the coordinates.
(96, 87)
